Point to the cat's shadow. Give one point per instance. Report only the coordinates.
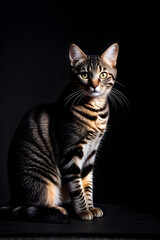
(71, 212)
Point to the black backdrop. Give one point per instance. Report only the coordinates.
(34, 40)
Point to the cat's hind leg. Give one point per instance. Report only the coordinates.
(42, 204)
(53, 197)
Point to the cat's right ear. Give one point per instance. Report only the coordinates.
(75, 54)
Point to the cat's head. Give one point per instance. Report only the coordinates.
(94, 74)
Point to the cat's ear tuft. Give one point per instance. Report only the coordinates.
(75, 54)
(111, 54)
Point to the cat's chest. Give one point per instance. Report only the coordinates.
(91, 145)
(92, 121)
(89, 149)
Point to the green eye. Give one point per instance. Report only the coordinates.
(84, 75)
(103, 75)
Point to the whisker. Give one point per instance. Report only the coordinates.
(112, 100)
(122, 96)
(120, 83)
(121, 93)
(72, 96)
(118, 99)
(79, 95)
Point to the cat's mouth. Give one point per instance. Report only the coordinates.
(94, 92)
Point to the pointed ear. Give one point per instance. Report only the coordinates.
(111, 54)
(75, 54)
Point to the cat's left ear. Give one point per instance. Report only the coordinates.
(111, 54)
(75, 54)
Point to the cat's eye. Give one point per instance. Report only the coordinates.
(84, 75)
(103, 75)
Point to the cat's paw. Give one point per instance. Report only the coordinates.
(86, 215)
(97, 212)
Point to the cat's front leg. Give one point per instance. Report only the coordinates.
(79, 199)
(87, 182)
(71, 177)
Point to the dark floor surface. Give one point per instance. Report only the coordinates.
(118, 222)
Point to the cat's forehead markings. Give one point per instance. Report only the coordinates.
(89, 67)
(84, 68)
(99, 67)
(92, 65)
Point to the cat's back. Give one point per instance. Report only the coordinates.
(34, 121)
(33, 136)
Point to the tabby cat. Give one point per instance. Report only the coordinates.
(52, 153)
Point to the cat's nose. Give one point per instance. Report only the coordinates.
(94, 84)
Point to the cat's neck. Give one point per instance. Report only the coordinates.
(98, 102)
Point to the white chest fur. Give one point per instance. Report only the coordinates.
(88, 148)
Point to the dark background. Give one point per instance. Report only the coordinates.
(34, 40)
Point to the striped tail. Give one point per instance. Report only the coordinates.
(33, 214)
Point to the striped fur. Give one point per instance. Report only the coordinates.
(51, 158)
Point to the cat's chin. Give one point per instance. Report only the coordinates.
(94, 94)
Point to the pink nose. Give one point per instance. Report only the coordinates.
(94, 85)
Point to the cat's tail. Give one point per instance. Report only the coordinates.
(33, 214)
